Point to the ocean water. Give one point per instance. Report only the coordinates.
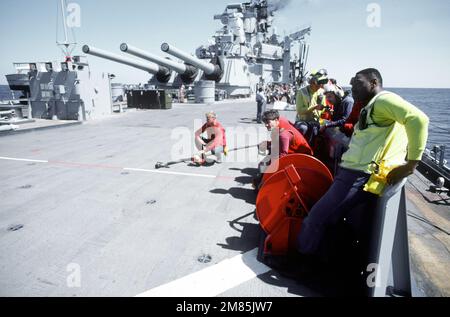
(434, 102)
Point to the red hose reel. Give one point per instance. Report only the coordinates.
(285, 198)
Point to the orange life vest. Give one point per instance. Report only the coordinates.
(298, 144)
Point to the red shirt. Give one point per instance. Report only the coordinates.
(291, 140)
(327, 114)
(349, 125)
(215, 133)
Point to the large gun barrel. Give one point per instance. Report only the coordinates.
(212, 71)
(162, 73)
(188, 73)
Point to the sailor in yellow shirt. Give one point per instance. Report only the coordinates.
(310, 104)
(307, 101)
(390, 131)
(308, 97)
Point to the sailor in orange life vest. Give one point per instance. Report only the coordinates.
(283, 133)
(290, 139)
(389, 130)
(214, 142)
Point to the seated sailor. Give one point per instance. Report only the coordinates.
(214, 143)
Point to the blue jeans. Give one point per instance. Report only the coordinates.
(339, 202)
(261, 108)
(309, 130)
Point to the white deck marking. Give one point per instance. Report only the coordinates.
(109, 167)
(213, 280)
(169, 173)
(22, 160)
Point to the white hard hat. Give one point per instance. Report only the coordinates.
(321, 75)
(334, 89)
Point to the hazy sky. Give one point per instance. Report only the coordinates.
(411, 47)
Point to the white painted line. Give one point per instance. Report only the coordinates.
(213, 280)
(111, 167)
(22, 160)
(169, 173)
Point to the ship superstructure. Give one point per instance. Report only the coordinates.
(245, 52)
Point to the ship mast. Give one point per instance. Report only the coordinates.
(66, 46)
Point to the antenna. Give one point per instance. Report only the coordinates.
(66, 46)
(63, 10)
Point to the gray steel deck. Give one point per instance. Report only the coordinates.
(128, 231)
(84, 204)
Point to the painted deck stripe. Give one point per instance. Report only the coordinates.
(169, 173)
(102, 166)
(213, 280)
(84, 165)
(22, 160)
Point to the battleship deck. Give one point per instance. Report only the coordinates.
(84, 213)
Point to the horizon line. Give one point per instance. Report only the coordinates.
(385, 87)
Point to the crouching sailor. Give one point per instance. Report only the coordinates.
(389, 130)
(214, 143)
(285, 139)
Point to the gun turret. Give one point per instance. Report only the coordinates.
(188, 73)
(213, 70)
(161, 73)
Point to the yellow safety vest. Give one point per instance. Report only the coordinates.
(305, 100)
(376, 143)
